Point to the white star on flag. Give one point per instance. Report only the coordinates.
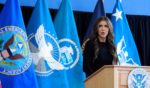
(118, 14)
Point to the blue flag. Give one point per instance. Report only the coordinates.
(71, 55)
(126, 48)
(45, 48)
(16, 70)
(98, 12)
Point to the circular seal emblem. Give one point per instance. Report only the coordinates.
(45, 52)
(69, 53)
(14, 51)
(138, 78)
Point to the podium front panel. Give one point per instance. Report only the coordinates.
(110, 76)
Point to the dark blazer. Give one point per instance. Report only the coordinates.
(90, 63)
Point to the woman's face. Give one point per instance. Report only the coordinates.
(103, 29)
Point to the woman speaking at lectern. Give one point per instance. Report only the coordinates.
(100, 49)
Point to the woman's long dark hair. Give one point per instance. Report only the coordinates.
(109, 39)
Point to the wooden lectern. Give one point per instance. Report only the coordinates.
(110, 76)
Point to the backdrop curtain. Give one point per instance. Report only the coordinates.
(140, 27)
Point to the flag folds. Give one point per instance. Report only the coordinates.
(16, 70)
(71, 55)
(126, 48)
(45, 48)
